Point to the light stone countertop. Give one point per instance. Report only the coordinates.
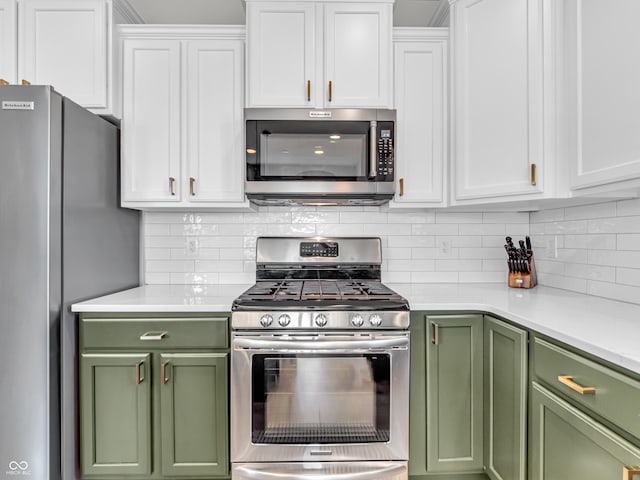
(605, 328)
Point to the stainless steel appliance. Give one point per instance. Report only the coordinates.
(319, 365)
(62, 239)
(320, 157)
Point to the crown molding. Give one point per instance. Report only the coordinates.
(192, 32)
(124, 8)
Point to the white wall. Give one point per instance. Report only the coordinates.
(598, 249)
(194, 248)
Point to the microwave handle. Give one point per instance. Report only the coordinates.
(373, 149)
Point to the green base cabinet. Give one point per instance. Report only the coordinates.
(446, 394)
(566, 443)
(505, 400)
(154, 396)
(115, 412)
(193, 414)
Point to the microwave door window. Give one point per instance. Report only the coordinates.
(313, 156)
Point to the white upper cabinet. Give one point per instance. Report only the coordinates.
(319, 54)
(498, 100)
(68, 44)
(8, 40)
(182, 123)
(420, 91)
(601, 39)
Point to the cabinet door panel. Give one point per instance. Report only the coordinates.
(604, 95)
(281, 51)
(115, 414)
(151, 120)
(420, 98)
(214, 120)
(193, 414)
(8, 40)
(505, 412)
(64, 44)
(566, 443)
(454, 393)
(498, 100)
(357, 42)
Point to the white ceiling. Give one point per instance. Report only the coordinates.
(407, 13)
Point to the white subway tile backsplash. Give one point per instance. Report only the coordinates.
(545, 216)
(455, 265)
(616, 291)
(628, 207)
(435, 229)
(591, 272)
(482, 229)
(615, 225)
(506, 217)
(412, 241)
(457, 217)
(628, 276)
(434, 277)
(628, 241)
(596, 241)
(602, 210)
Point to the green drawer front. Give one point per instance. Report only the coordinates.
(154, 333)
(616, 397)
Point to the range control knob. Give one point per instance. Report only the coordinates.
(284, 320)
(357, 320)
(321, 320)
(375, 320)
(266, 320)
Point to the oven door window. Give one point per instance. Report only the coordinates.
(322, 399)
(312, 150)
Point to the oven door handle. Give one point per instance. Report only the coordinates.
(388, 471)
(316, 345)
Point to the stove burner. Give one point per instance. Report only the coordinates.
(319, 290)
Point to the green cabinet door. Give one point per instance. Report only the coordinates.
(505, 400)
(193, 414)
(115, 414)
(454, 393)
(418, 395)
(568, 444)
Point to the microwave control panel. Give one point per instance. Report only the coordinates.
(385, 164)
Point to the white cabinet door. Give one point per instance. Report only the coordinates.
(497, 98)
(603, 67)
(8, 40)
(421, 100)
(151, 121)
(281, 55)
(214, 99)
(357, 56)
(64, 44)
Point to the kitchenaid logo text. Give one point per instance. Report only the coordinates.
(18, 467)
(15, 105)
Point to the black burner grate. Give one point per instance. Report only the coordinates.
(320, 433)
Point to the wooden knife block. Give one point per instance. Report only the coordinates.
(524, 280)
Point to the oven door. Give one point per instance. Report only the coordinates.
(319, 397)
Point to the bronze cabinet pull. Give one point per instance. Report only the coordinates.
(172, 182)
(330, 90)
(192, 182)
(436, 333)
(139, 372)
(163, 372)
(569, 382)
(533, 174)
(401, 186)
(3, 82)
(308, 90)
(26, 82)
(629, 472)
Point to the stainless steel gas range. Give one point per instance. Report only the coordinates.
(319, 365)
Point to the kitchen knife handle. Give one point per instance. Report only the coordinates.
(139, 372)
(172, 181)
(192, 182)
(629, 472)
(401, 181)
(163, 373)
(308, 90)
(436, 333)
(330, 90)
(533, 174)
(569, 382)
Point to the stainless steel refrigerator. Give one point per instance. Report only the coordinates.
(63, 239)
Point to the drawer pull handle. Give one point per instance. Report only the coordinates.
(436, 333)
(139, 373)
(153, 336)
(629, 472)
(568, 381)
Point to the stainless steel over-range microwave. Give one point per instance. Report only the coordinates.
(320, 157)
